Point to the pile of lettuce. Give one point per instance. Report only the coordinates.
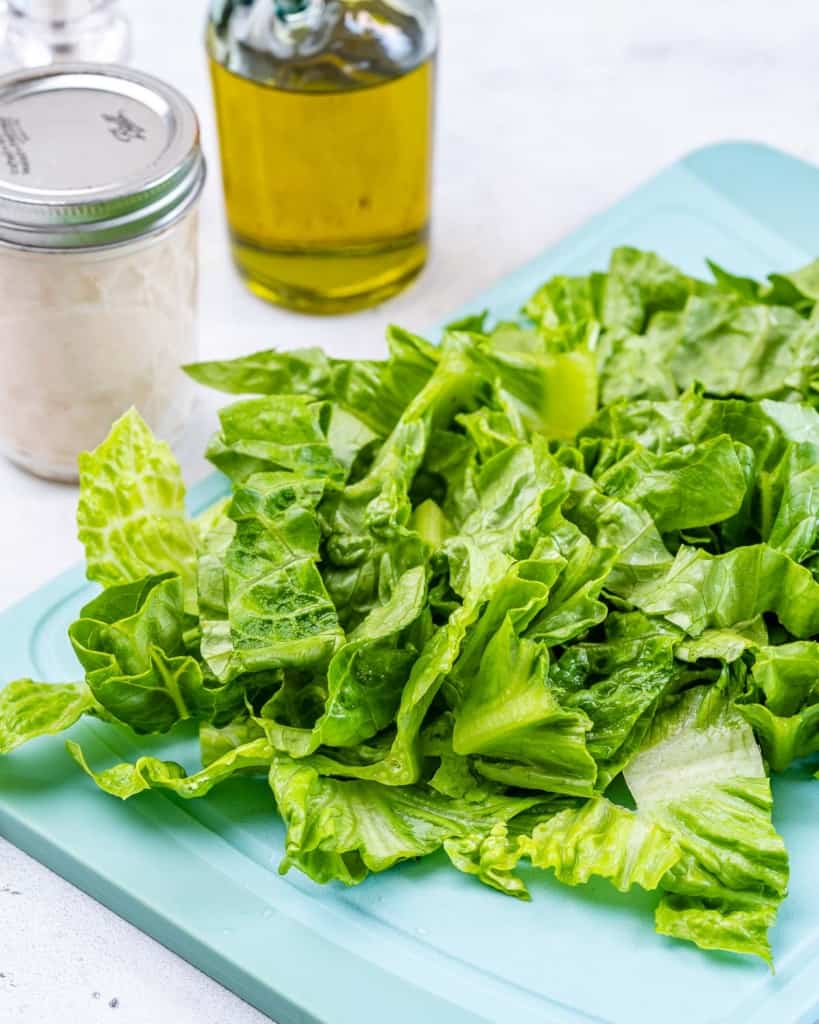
(456, 597)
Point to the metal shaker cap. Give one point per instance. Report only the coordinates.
(93, 155)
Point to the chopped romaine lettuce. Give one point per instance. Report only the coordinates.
(456, 595)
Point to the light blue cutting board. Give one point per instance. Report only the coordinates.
(424, 944)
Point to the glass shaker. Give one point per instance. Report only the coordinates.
(325, 114)
(47, 31)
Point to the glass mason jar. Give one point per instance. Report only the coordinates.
(325, 115)
(100, 176)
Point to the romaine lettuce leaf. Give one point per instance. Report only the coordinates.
(640, 284)
(700, 776)
(372, 391)
(615, 525)
(492, 858)
(126, 780)
(694, 485)
(214, 741)
(365, 678)
(515, 722)
(619, 687)
(735, 348)
(573, 605)
(784, 738)
(272, 609)
(701, 591)
(29, 710)
(517, 492)
(790, 500)
(131, 642)
(597, 840)
(783, 704)
(280, 432)
(602, 840)
(638, 366)
(305, 371)
(553, 394)
(345, 829)
(563, 303)
(131, 511)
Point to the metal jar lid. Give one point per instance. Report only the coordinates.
(93, 155)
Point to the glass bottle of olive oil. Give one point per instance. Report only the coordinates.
(325, 112)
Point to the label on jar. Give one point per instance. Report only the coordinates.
(124, 128)
(13, 142)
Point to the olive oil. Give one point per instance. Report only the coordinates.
(326, 166)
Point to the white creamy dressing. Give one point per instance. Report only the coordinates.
(86, 334)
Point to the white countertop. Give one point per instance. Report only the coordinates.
(546, 116)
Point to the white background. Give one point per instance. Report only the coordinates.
(548, 112)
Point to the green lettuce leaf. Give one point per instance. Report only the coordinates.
(573, 605)
(548, 393)
(365, 678)
(520, 597)
(260, 581)
(343, 830)
(748, 288)
(700, 776)
(798, 288)
(215, 741)
(619, 687)
(783, 706)
(376, 392)
(638, 366)
(727, 645)
(516, 493)
(784, 739)
(126, 780)
(131, 642)
(597, 840)
(492, 858)
(368, 543)
(514, 721)
(640, 284)
(305, 371)
(700, 591)
(131, 511)
(372, 391)
(280, 432)
(401, 763)
(734, 348)
(29, 710)
(775, 443)
(790, 498)
(602, 840)
(640, 555)
(564, 307)
(694, 485)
